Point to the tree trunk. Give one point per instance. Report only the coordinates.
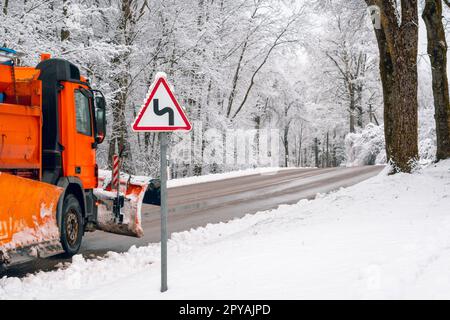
(359, 87)
(397, 43)
(65, 33)
(352, 113)
(305, 158)
(316, 152)
(124, 35)
(437, 51)
(403, 146)
(328, 148)
(286, 146)
(235, 80)
(5, 7)
(300, 143)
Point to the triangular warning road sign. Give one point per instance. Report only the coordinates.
(161, 112)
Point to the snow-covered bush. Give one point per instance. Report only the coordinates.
(366, 147)
(427, 135)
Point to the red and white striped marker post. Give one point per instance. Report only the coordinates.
(115, 179)
(115, 185)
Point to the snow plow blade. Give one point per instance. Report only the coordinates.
(28, 223)
(131, 195)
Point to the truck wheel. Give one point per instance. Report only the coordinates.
(71, 225)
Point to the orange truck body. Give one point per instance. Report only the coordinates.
(21, 123)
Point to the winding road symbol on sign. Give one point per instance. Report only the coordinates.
(161, 111)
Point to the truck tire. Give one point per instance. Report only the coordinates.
(71, 225)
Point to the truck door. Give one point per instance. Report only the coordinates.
(84, 138)
(78, 133)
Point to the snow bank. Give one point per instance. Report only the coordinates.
(106, 176)
(226, 175)
(388, 237)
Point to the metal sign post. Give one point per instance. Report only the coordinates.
(162, 113)
(163, 144)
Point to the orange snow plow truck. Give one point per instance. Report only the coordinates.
(51, 122)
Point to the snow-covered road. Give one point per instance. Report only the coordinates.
(207, 199)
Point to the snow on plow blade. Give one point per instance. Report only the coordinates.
(27, 216)
(132, 191)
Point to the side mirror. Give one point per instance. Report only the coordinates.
(100, 118)
(100, 102)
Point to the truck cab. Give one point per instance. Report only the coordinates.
(74, 123)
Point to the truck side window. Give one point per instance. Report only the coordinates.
(83, 113)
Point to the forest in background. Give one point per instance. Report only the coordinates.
(307, 68)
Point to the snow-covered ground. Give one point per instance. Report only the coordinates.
(388, 237)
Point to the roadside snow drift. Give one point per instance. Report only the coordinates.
(388, 237)
(225, 175)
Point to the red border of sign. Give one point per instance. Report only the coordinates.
(136, 126)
